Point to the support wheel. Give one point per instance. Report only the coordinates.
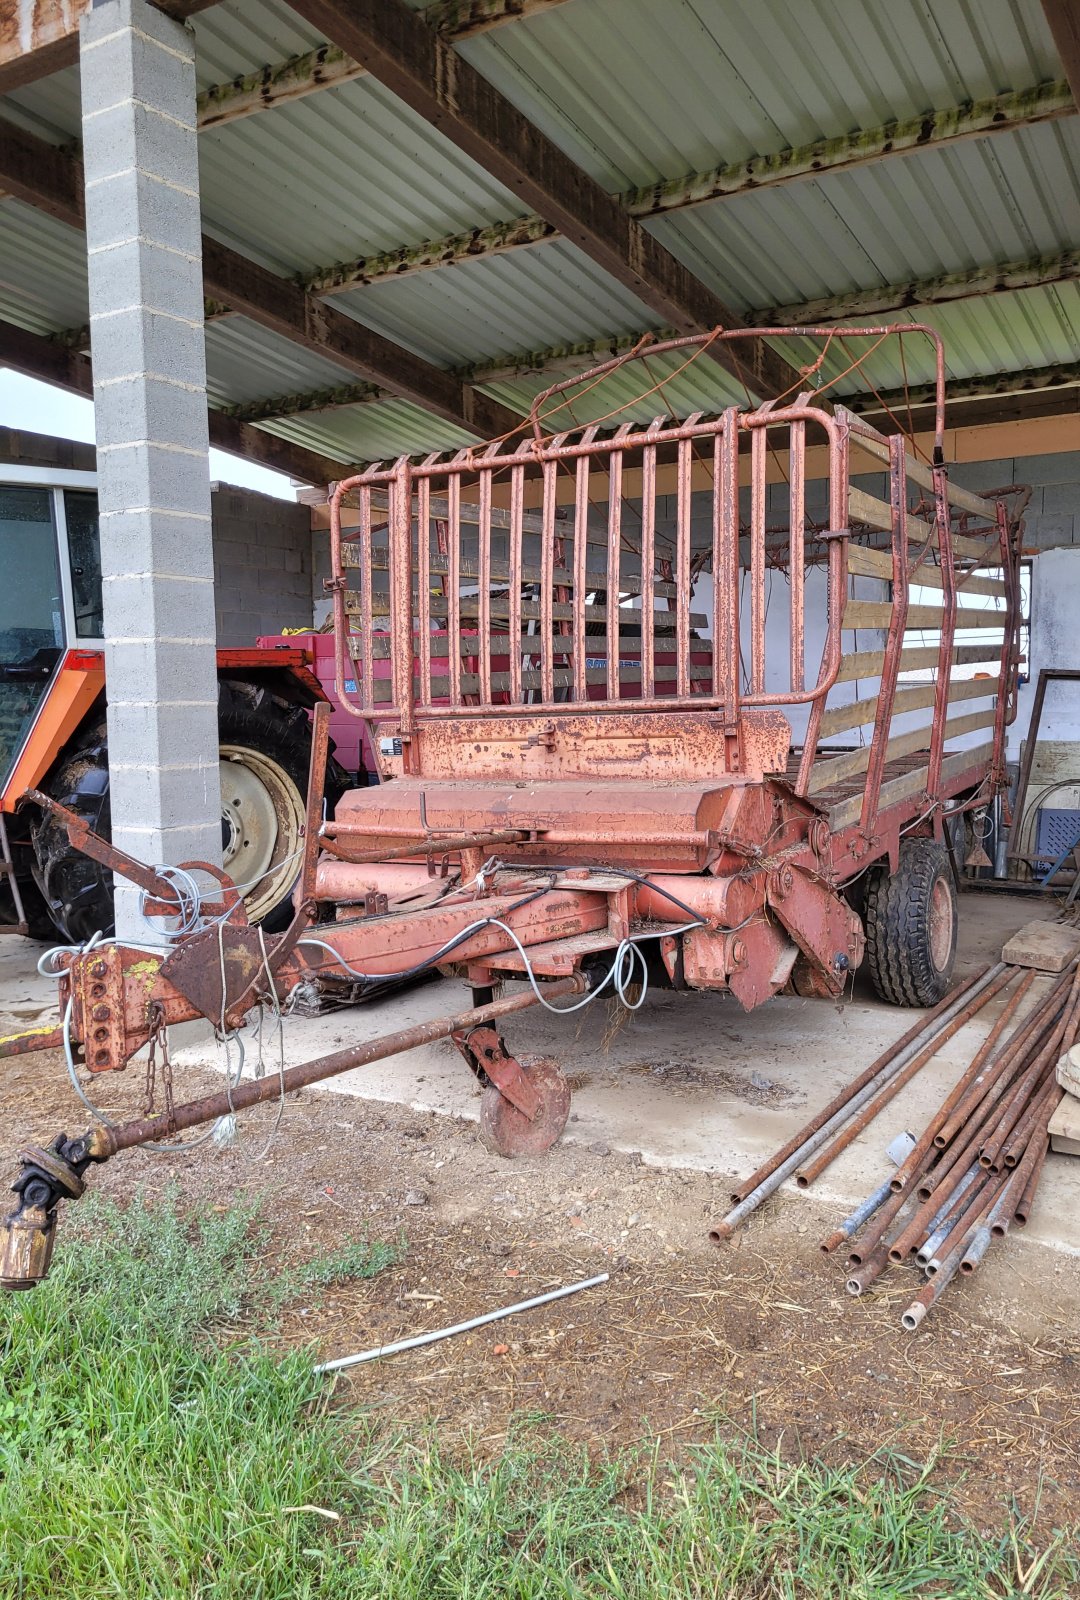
(505, 1131)
(911, 919)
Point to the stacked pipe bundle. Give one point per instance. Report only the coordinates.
(976, 1166)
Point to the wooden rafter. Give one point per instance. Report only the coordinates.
(51, 179)
(38, 37)
(1063, 20)
(417, 65)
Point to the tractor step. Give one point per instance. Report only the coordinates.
(556, 959)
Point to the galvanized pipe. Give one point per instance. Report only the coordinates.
(107, 1142)
(898, 1081)
(974, 1074)
(942, 1220)
(726, 1227)
(940, 1013)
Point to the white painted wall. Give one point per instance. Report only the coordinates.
(1055, 642)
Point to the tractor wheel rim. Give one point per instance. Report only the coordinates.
(262, 815)
(941, 925)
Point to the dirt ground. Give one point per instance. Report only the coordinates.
(759, 1334)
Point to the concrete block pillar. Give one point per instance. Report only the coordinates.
(146, 338)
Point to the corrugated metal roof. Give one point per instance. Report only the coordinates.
(636, 92)
(481, 309)
(42, 270)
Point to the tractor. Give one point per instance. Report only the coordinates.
(53, 735)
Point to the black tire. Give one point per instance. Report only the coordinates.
(911, 922)
(260, 728)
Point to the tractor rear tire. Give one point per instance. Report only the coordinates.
(265, 751)
(911, 921)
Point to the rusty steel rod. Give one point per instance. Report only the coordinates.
(933, 1289)
(975, 1073)
(1027, 1199)
(1038, 1023)
(25, 1043)
(806, 1175)
(107, 1142)
(839, 1101)
(942, 1220)
(986, 1197)
(333, 834)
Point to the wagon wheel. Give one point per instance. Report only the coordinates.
(506, 1131)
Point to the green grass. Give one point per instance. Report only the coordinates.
(150, 1454)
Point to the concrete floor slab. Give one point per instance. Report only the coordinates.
(690, 1081)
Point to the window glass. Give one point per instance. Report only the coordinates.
(31, 618)
(84, 555)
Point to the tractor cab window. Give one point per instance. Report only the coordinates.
(84, 556)
(31, 612)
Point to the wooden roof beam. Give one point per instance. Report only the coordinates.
(410, 58)
(50, 178)
(327, 66)
(38, 37)
(1063, 20)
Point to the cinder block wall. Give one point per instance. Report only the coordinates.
(262, 565)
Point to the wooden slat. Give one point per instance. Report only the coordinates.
(879, 613)
(896, 790)
(964, 500)
(866, 563)
(531, 610)
(869, 663)
(828, 771)
(916, 697)
(595, 645)
(595, 577)
(875, 513)
(562, 678)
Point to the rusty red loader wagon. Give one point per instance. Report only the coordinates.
(681, 703)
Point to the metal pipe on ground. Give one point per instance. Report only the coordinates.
(1023, 1210)
(850, 1226)
(806, 1175)
(1025, 1094)
(1024, 1131)
(975, 1073)
(935, 1287)
(942, 1220)
(938, 1203)
(1038, 1021)
(1032, 1162)
(972, 1217)
(984, 976)
(849, 1104)
(108, 1141)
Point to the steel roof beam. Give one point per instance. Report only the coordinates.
(1005, 112)
(50, 178)
(42, 36)
(327, 65)
(1063, 20)
(410, 58)
(37, 356)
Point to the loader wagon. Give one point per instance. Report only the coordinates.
(681, 702)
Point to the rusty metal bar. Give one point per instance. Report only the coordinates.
(423, 586)
(1027, 1199)
(316, 789)
(367, 659)
(547, 582)
(941, 1013)
(484, 582)
(254, 1091)
(453, 586)
(727, 683)
(581, 555)
(434, 846)
(401, 643)
(806, 1175)
(514, 565)
(832, 653)
(31, 1039)
(758, 491)
(975, 1074)
(684, 514)
(797, 561)
(648, 565)
(614, 552)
